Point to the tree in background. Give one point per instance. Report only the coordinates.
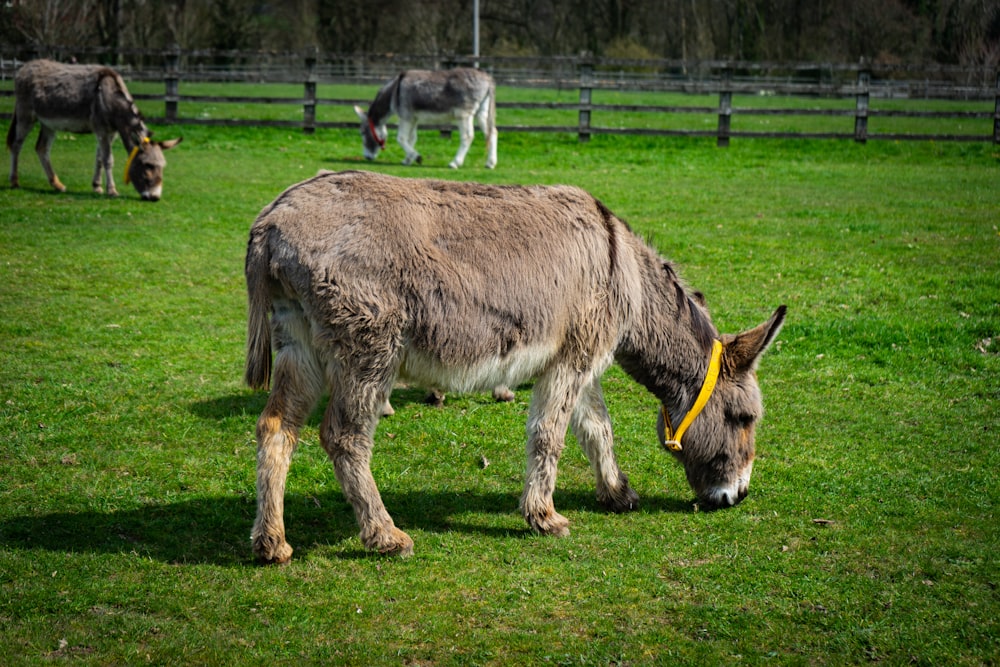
(945, 31)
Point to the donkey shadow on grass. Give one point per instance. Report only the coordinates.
(216, 530)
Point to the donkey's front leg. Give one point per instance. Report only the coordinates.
(104, 162)
(406, 135)
(591, 425)
(348, 442)
(551, 405)
(465, 131)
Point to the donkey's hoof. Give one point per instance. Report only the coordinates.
(270, 555)
(624, 499)
(454, 165)
(393, 543)
(434, 397)
(503, 394)
(550, 523)
(387, 410)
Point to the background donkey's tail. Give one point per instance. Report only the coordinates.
(492, 113)
(258, 367)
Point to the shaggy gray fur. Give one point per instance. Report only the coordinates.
(356, 279)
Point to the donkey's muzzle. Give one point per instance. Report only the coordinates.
(723, 498)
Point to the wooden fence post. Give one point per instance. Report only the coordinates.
(586, 82)
(309, 105)
(996, 112)
(725, 108)
(861, 105)
(171, 81)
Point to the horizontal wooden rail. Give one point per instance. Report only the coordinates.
(723, 79)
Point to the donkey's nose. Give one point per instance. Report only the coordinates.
(723, 498)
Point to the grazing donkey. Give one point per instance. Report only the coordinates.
(356, 278)
(85, 98)
(463, 94)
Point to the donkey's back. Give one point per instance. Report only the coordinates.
(60, 95)
(455, 285)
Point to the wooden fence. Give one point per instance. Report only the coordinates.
(724, 79)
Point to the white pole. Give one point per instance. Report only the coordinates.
(475, 30)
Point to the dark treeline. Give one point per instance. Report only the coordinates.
(964, 32)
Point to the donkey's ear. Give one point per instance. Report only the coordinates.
(743, 351)
(361, 112)
(169, 143)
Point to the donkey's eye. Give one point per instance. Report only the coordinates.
(742, 420)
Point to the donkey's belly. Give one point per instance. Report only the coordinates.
(480, 375)
(62, 124)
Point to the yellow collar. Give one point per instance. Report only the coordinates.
(131, 156)
(672, 439)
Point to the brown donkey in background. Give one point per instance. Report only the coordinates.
(85, 98)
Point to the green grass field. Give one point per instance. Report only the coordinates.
(870, 534)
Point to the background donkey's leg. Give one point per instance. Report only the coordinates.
(20, 126)
(465, 131)
(406, 135)
(43, 147)
(105, 162)
(489, 130)
(591, 425)
(295, 387)
(347, 436)
(552, 404)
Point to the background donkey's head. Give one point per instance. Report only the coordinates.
(144, 169)
(372, 136)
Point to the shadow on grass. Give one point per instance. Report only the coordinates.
(251, 404)
(217, 530)
(79, 192)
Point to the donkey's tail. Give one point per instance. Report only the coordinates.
(12, 131)
(491, 115)
(258, 366)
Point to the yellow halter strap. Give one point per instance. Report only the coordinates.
(672, 439)
(131, 156)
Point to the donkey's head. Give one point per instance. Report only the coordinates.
(144, 169)
(718, 430)
(372, 136)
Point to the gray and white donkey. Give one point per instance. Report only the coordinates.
(85, 98)
(464, 95)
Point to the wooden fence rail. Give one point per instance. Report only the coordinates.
(588, 75)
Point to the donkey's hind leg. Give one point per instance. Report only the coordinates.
(347, 436)
(20, 126)
(43, 147)
(296, 385)
(591, 425)
(489, 131)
